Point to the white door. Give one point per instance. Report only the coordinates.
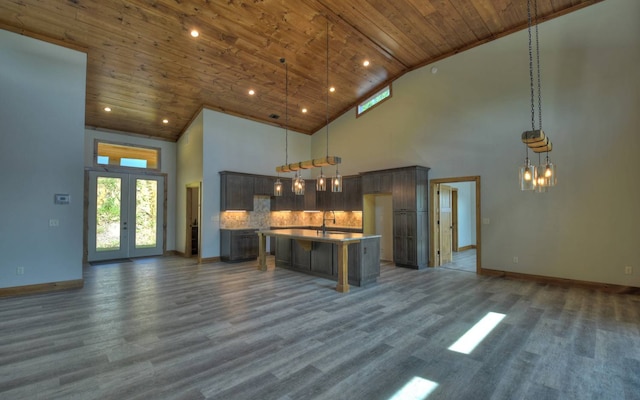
(125, 215)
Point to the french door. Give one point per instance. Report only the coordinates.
(125, 215)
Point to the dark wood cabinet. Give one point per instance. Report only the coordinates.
(377, 182)
(306, 202)
(283, 252)
(322, 260)
(236, 191)
(410, 239)
(351, 193)
(238, 244)
(286, 202)
(263, 185)
(410, 187)
(350, 199)
(300, 257)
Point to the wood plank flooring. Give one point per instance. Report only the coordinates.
(463, 261)
(167, 328)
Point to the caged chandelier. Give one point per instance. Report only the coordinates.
(543, 176)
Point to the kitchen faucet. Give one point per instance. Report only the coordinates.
(324, 219)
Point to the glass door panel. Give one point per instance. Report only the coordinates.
(108, 213)
(146, 213)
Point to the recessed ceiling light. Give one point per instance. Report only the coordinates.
(366, 63)
(332, 89)
(165, 121)
(195, 33)
(304, 110)
(107, 109)
(251, 92)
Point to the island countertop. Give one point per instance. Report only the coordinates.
(313, 235)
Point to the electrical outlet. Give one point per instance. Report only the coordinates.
(54, 222)
(628, 270)
(20, 271)
(515, 260)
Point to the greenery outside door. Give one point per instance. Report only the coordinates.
(125, 215)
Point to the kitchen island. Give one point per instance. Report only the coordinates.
(350, 257)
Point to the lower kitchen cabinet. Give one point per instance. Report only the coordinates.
(238, 244)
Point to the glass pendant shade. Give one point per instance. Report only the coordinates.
(321, 182)
(336, 182)
(277, 188)
(299, 185)
(548, 172)
(527, 176)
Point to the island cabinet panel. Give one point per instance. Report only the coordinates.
(377, 182)
(263, 185)
(238, 245)
(368, 262)
(300, 257)
(324, 259)
(283, 252)
(236, 191)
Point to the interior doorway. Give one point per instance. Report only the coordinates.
(461, 219)
(192, 245)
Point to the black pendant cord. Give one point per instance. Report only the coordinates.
(327, 89)
(286, 113)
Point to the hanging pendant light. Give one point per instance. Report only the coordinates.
(527, 175)
(277, 188)
(321, 182)
(336, 182)
(544, 175)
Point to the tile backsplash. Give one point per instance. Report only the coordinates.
(262, 218)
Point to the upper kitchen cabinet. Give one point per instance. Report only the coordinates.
(263, 185)
(350, 199)
(286, 202)
(236, 191)
(410, 189)
(306, 202)
(352, 193)
(376, 182)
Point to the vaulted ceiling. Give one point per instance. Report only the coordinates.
(144, 64)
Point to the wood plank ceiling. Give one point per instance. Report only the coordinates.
(145, 65)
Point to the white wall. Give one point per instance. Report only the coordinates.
(466, 212)
(467, 120)
(42, 102)
(167, 166)
(189, 160)
(230, 144)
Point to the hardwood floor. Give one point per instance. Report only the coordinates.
(463, 261)
(167, 328)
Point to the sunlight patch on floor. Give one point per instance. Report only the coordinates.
(416, 389)
(477, 333)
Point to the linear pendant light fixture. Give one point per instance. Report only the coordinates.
(544, 176)
(298, 183)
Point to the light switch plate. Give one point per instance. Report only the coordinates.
(61, 198)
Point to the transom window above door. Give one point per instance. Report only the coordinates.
(123, 155)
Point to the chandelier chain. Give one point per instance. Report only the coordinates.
(535, 5)
(286, 113)
(531, 86)
(327, 90)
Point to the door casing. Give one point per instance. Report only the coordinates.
(433, 199)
